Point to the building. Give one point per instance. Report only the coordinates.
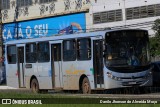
(125, 13)
(37, 18)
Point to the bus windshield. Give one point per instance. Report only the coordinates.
(127, 48)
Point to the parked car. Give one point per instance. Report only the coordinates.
(156, 74)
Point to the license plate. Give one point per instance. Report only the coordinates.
(131, 82)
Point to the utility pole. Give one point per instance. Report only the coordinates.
(1, 30)
(16, 23)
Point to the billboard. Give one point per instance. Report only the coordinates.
(44, 27)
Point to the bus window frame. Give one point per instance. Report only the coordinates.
(88, 49)
(15, 55)
(39, 51)
(30, 52)
(75, 50)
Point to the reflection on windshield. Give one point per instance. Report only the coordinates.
(127, 48)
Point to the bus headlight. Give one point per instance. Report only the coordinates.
(113, 77)
(109, 74)
(148, 75)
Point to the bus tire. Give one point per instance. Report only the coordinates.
(86, 88)
(34, 86)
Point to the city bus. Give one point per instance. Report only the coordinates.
(97, 60)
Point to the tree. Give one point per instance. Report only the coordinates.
(155, 41)
(156, 28)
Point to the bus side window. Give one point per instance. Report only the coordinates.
(69, 50)
(57, 52)
(11, 54)
(43, 52)
(84, 49)
(31, 53)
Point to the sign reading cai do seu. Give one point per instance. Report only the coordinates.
(44, 27)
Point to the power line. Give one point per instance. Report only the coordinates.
(131, 25)
(50, 33)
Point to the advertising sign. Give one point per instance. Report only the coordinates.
(44, 27)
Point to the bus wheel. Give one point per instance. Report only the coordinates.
(86, 89)
(35, 86)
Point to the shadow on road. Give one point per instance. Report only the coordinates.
(132, 90)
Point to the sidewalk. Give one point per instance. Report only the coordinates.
(6, 87)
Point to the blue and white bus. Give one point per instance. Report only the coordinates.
(97, 60)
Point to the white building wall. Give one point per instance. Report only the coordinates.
(107, 5)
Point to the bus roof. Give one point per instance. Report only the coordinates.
(65, 36)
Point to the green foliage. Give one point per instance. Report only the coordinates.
(155, 41)
(155, 46)
(156, 28)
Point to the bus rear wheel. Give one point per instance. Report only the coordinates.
(34, 86)
(86, 89)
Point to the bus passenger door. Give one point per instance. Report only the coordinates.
(98, 63)
(21, 65)
(56, 65)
